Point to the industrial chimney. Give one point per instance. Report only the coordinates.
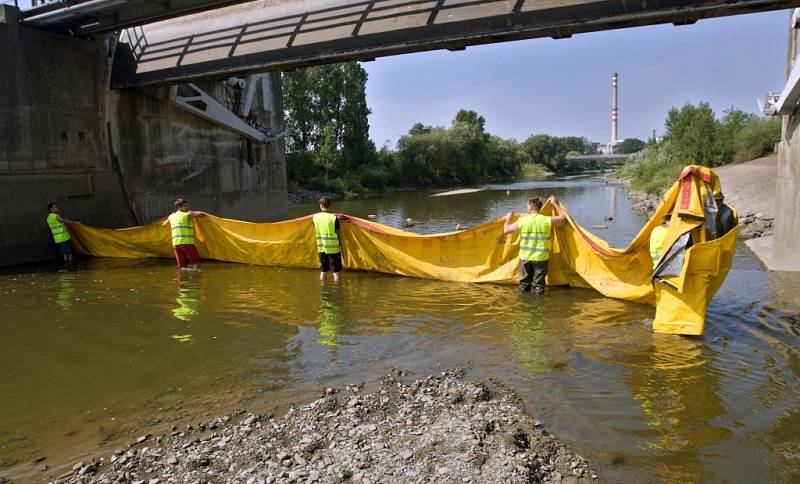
(614, 82)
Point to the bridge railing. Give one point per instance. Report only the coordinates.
(339, 21)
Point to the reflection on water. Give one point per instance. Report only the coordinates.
(329, 319)
(66, 288)
(190, 285)
(96, 357)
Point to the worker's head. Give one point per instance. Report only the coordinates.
(535, 204)
(181, 204)
(324, 203)
(52, 207)
(666, 219)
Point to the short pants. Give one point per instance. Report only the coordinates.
(328, 261)
(532, 273)
(64, 248)
(186, 253)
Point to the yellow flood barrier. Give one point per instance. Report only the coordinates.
(695, 262)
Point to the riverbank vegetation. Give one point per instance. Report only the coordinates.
(695, 135)
(329, 147)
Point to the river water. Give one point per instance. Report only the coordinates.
(91, 359)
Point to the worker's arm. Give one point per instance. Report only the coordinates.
(165, 222)
(558, 218)
(509, 228)
(65, 220)
(196, 214)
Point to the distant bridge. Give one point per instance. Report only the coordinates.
(279, 35)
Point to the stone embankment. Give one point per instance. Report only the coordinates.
(443, 429)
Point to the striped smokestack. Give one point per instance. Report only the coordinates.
(614, 82)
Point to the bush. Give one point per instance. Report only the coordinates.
(757, 138)
(654, 169)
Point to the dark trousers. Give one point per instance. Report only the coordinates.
(531, 274)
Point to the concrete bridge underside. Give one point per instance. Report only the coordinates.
(266, 35)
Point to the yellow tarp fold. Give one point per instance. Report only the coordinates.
(481, 254)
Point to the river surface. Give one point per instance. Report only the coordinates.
(94, 358)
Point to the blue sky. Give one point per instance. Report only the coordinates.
(563, 87)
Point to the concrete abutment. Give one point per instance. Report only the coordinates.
(115, 158)
(786, 241)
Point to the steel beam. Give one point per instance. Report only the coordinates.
(196, 101)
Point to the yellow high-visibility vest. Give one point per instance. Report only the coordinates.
(182, 228)
(534, 237)
(657, 238)
(325, 226)
(60, 232)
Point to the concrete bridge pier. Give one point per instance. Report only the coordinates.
(786, 240)
(116, 158)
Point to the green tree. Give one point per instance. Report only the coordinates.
(733, 121)
(328, 155)
(419, 128)
(551, 151)
(357, 149)
(630, 145)
(300, 121)
(692, 130)
(471, 118)
(327, 115)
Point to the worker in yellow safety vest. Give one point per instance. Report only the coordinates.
(58, 227)
(657, 238)
(534, 243)
(182, 225)
(326, 228)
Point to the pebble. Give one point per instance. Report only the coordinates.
(476, 432)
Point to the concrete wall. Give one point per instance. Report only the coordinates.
(52, 138)
(786, 244)
(166, 153)
(111, 158)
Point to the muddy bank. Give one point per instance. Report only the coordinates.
(442, 428)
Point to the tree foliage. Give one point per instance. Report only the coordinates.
(694, 135)
(329, 146)
(327, 116)
(552, 151)
(629, 146)
(461, 154)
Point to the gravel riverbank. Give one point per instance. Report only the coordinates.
(443, 428)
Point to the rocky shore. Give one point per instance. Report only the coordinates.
(440, 429)
(753, 225)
